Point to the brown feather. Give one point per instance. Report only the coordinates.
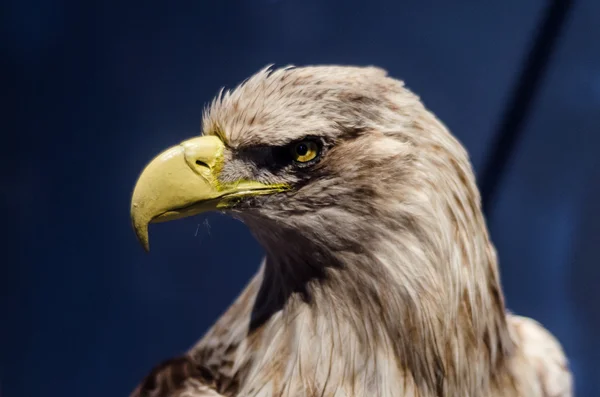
(380, 278)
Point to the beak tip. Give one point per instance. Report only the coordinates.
(141, 232)
(145, 245)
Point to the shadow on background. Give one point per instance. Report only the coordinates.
(95, 89)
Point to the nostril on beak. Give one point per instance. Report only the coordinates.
(202, 153)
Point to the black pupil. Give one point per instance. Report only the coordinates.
(301, 149)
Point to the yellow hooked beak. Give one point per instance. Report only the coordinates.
(183, 181)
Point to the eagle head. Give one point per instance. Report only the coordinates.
(336, 156)
(364, 202)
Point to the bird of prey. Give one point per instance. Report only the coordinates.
(379, 277)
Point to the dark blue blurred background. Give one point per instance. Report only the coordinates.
(92, 90)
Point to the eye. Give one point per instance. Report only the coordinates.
(305, 151)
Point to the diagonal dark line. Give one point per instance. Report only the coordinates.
(519, 106)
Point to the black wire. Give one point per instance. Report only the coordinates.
(522, 98)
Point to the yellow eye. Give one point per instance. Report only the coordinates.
(305, 151)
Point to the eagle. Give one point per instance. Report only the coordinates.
(379, 276)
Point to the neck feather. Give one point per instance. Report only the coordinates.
(428, 301)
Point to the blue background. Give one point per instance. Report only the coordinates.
(92, 90)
